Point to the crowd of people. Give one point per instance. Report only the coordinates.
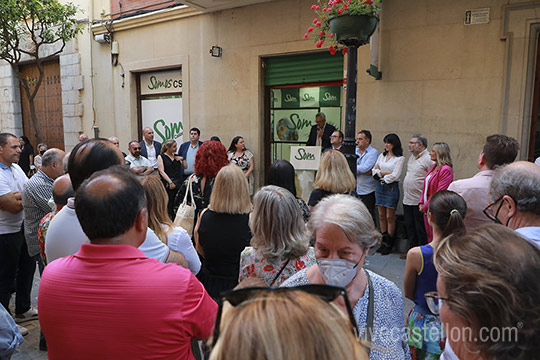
(261, 274)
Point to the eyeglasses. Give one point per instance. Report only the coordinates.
(136, 148)
(488, 211)
(327, 293)
(334, 136)
(413, 142)
(434, 301)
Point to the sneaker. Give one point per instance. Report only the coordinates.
(22, 330)
(30, 315)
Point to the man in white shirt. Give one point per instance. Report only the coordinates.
(498, 150)
(14, 259)
(514, 194)
(138, 163)
(65, 235)
(418, 165)
(150, 149)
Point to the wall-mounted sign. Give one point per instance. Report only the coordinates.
(305, 157)
(161, 82)
(164, 115)
(477, 16)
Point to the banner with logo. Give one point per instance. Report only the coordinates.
(294, 124)
(330, 96)
(307, 97)
(305, 157)
(164, 116)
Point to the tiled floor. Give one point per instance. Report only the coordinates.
(391, 267)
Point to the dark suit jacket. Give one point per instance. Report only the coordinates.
(184, 148)
(328, 130)
(157, 146)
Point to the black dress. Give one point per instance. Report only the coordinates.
(173, 169)
(24, 160)
(222, 237)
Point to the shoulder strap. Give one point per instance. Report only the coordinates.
(370, 311)
(279, 273)
(189, 190)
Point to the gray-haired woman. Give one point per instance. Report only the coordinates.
(280, 243)
(344, 233)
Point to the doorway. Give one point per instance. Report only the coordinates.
(48, 105)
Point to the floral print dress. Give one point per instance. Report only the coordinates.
(243, 161)
(254, 265)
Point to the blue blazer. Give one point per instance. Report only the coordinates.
(184, 148)
(157, 146)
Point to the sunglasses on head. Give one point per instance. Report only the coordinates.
(327, 293)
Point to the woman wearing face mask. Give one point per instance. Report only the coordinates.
(37, 159)
(344, 232)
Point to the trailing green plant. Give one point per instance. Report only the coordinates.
(328, 10)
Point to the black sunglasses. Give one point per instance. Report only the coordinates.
(327, 293)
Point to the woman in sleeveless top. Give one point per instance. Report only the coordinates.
(446, 213)
(222, 231)
(170, 168)
(239, 155)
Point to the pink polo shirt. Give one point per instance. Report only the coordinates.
(110, 301)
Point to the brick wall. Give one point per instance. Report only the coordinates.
(131, 6)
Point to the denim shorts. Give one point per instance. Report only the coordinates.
(387, 195)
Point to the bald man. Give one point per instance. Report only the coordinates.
(61, 192)
(150, 149)
(120, 303)
(514, 195)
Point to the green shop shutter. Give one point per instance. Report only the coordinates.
(300, 69)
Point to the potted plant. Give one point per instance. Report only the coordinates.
(343, 23)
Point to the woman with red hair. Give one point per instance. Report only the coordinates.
(210, 158)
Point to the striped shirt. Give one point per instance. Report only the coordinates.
(35, 199)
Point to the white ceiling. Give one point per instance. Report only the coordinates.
(216, 5)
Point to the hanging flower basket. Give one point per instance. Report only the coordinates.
(353, 30)
(343, 23)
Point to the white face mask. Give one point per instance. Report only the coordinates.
(337, 272)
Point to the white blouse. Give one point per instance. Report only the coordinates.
(393, 164)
